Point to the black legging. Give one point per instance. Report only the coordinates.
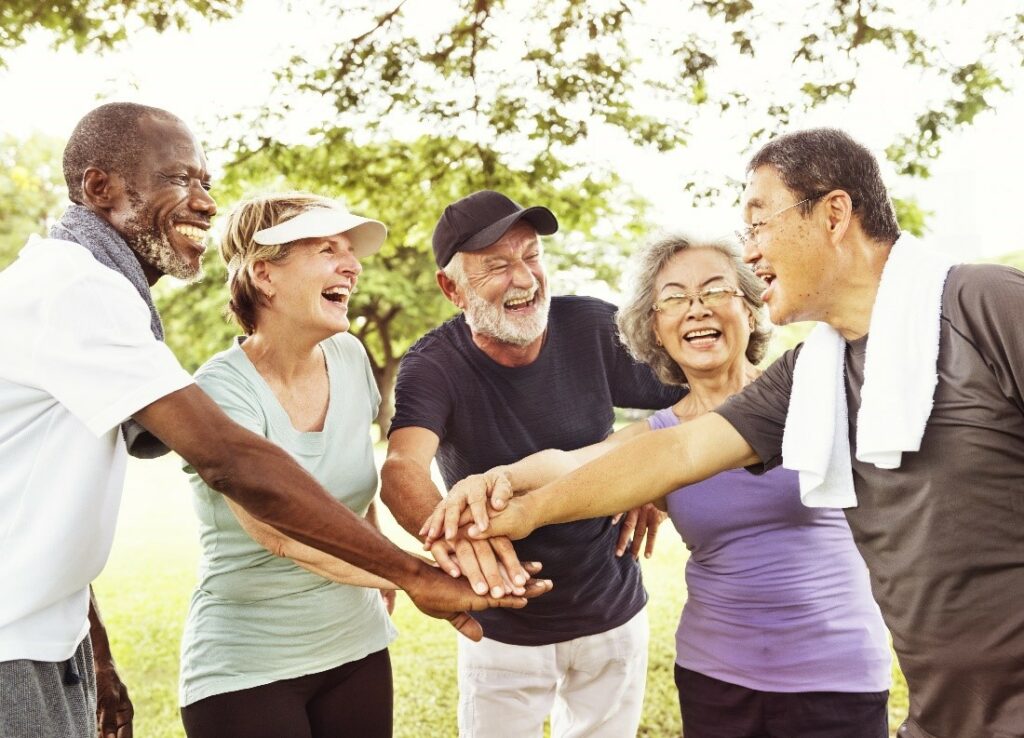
(350, 700)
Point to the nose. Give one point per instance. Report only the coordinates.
(201, 201)
(697, 309)
(751, 251)
(349, 264)
(522, 276)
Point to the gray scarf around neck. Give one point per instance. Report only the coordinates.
(82, 226)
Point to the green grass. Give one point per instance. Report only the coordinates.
(145, 588)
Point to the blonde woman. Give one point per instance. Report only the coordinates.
(292, 644)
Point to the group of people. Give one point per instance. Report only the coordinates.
(904, 454)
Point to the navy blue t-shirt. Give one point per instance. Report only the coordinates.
(487, 414)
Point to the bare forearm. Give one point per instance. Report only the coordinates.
(642, 470)
(98, 633)
(305, 556)
(265, 481)
(536, 470)
(409, 492)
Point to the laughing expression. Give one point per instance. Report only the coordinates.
(506, 292)
(702, 340)
(790, 251)
(165, 213)
(312, 286)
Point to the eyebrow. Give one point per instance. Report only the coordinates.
(705, 283)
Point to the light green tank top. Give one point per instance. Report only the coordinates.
(256, 618)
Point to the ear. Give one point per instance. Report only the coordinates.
(102, 190)
(262, 278)
(839, 214)
(450, 289)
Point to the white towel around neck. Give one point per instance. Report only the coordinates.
(900, 376)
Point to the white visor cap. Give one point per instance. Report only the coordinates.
(366, 235)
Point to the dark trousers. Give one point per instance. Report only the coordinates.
(352, 700)
(711, 708)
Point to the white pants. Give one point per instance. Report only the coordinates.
(593, 686)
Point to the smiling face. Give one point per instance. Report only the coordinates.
(790, 251)
(310, 288)
(166, 209)
(704, 341)
(504, 293)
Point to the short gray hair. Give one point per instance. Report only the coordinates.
(816, 161)
(636, 317)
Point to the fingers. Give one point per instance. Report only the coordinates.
(466, 625)
(434, 523)
(641, 530)
(477, 498)
(501, 491)
(537, 587)
(506, 554)
(480, 567)
(626, 532)
(654, 524)
(440, 552)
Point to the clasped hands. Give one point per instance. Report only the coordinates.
(469, 532)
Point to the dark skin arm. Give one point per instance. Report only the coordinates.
(114, 711)
(274, 489)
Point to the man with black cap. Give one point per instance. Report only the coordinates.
(516, 372)
(84, 374)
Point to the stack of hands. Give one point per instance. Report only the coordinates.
(470, 532)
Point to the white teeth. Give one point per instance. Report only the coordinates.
(701, 333)
(337, 291)
(191, 232)
(518, 301)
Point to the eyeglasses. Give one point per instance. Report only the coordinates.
(747, 234)
(679, 302)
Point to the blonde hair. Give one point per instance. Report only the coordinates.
(240, 252)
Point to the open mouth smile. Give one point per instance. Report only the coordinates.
(339, 294)
(517, 304)
(702, 337)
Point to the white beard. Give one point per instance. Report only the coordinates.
(494, 322)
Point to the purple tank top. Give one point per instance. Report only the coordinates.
(778, 597)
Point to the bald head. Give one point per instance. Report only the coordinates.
(108, 138)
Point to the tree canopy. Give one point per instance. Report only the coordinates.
(414, 104)
(32, 189)
(100, 24)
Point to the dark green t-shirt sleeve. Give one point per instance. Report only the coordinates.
(984, 303)
(758, 413)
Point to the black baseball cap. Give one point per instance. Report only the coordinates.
(478, 220)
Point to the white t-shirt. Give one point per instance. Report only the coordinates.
(77, 358)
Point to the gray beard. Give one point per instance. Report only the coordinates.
(158, 253)
(488, 320)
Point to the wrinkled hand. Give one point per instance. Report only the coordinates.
(491, 566)
(114, 711)
(640, 521)
(443, 597)
(516, 520)
(481, 494)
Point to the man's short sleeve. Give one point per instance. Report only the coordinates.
(422, 396)
(985, 304)
(758, 413)
(95, 352)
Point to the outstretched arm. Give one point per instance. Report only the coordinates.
(274, 489)
(305, 556)
(638, 471)
(496, 486)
